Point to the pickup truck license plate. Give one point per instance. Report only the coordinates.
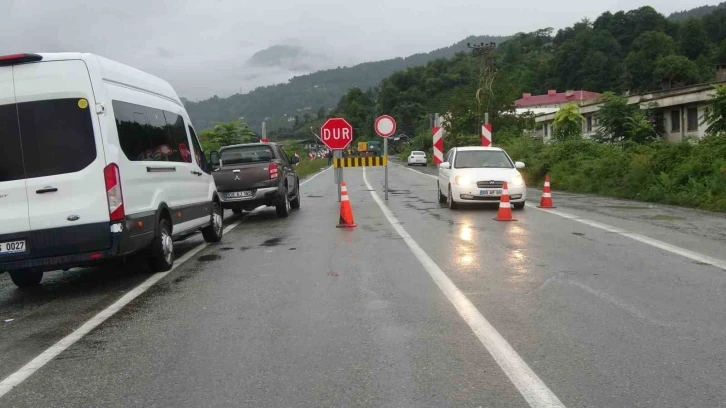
(12, 247)
(490, 193)
(239, 194)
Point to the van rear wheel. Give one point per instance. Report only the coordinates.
(26, 278)
(162, 248)
(213, 233)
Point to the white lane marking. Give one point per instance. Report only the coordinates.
(696, 256)
(63, 344)
(534, 391)
(315, 175)
(415, 171)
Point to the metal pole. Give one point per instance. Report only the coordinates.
(338, 154)
(486, 118)
(385, 157)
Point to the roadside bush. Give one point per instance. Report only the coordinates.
(686, 174)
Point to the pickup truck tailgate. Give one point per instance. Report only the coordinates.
(243, 177)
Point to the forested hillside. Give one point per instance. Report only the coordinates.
(695, 12)
(631, 51)
(313, 91)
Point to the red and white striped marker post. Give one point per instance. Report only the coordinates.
(486, 135)
(438, 144)
(546, 200)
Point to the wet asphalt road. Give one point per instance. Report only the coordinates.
(295, 312)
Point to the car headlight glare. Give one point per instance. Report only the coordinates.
(518, 181)
(462, 181)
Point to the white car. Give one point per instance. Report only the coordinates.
(476, 175)
(98, 161)
(417, 157)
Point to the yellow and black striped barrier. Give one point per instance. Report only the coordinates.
(360, 162)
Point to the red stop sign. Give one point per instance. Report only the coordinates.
(336, 133)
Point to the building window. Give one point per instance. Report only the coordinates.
(589, 123)
(692, 119)
(675, 121)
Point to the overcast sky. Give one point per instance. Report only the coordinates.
(201, 46)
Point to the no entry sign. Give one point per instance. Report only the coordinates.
(385, 126)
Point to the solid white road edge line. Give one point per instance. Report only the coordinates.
(43, 358)
(696, 256)
(534, 391)
(315, 175)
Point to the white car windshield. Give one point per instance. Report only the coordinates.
(476, 159)
(418, 154)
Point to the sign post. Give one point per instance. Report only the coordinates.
(336, 134)
(385, 126)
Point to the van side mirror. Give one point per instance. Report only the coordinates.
(519, 165)
(445, 165)
(294, 160)
(214, 159)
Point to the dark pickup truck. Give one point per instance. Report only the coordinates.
(255, 174)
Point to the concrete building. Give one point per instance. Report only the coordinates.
(679, 110)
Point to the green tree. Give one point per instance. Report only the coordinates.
(675, 70)
(568, 122)
(297, 122)
(321, 113)
(226, 134)
(646, 49)
(694, 40)
(307, 118)
(620, 121)
(715, 115)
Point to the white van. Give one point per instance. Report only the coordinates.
(98, 161)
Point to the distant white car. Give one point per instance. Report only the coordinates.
(477, 174)
(417, 157)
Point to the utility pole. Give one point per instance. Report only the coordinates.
(487, 73)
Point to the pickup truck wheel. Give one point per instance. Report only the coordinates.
(295, 204)
(283, 206)
(26, 278)
(213, 233)
(162, 248)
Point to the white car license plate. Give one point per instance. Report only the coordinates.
(239, 194)
(489, 193)
(12, 247)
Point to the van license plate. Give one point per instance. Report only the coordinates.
(239, 194)
(12, 247)
(490, 193)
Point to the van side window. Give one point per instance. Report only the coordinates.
(199, 153)
(58, 136)
(177, 135)
(11, 155)
(150, 134)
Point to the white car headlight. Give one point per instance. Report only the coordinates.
(517, 180)
(462, 181)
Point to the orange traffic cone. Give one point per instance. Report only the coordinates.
(346, 212)
(546, 201)
(505, 207)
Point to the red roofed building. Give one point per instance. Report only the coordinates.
(555, 99)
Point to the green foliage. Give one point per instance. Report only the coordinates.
(622, 122)
(675, 71)
(715, 116)
(225, 134)
(679, 174)
(568, 122)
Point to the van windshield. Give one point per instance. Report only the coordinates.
(246, 154)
